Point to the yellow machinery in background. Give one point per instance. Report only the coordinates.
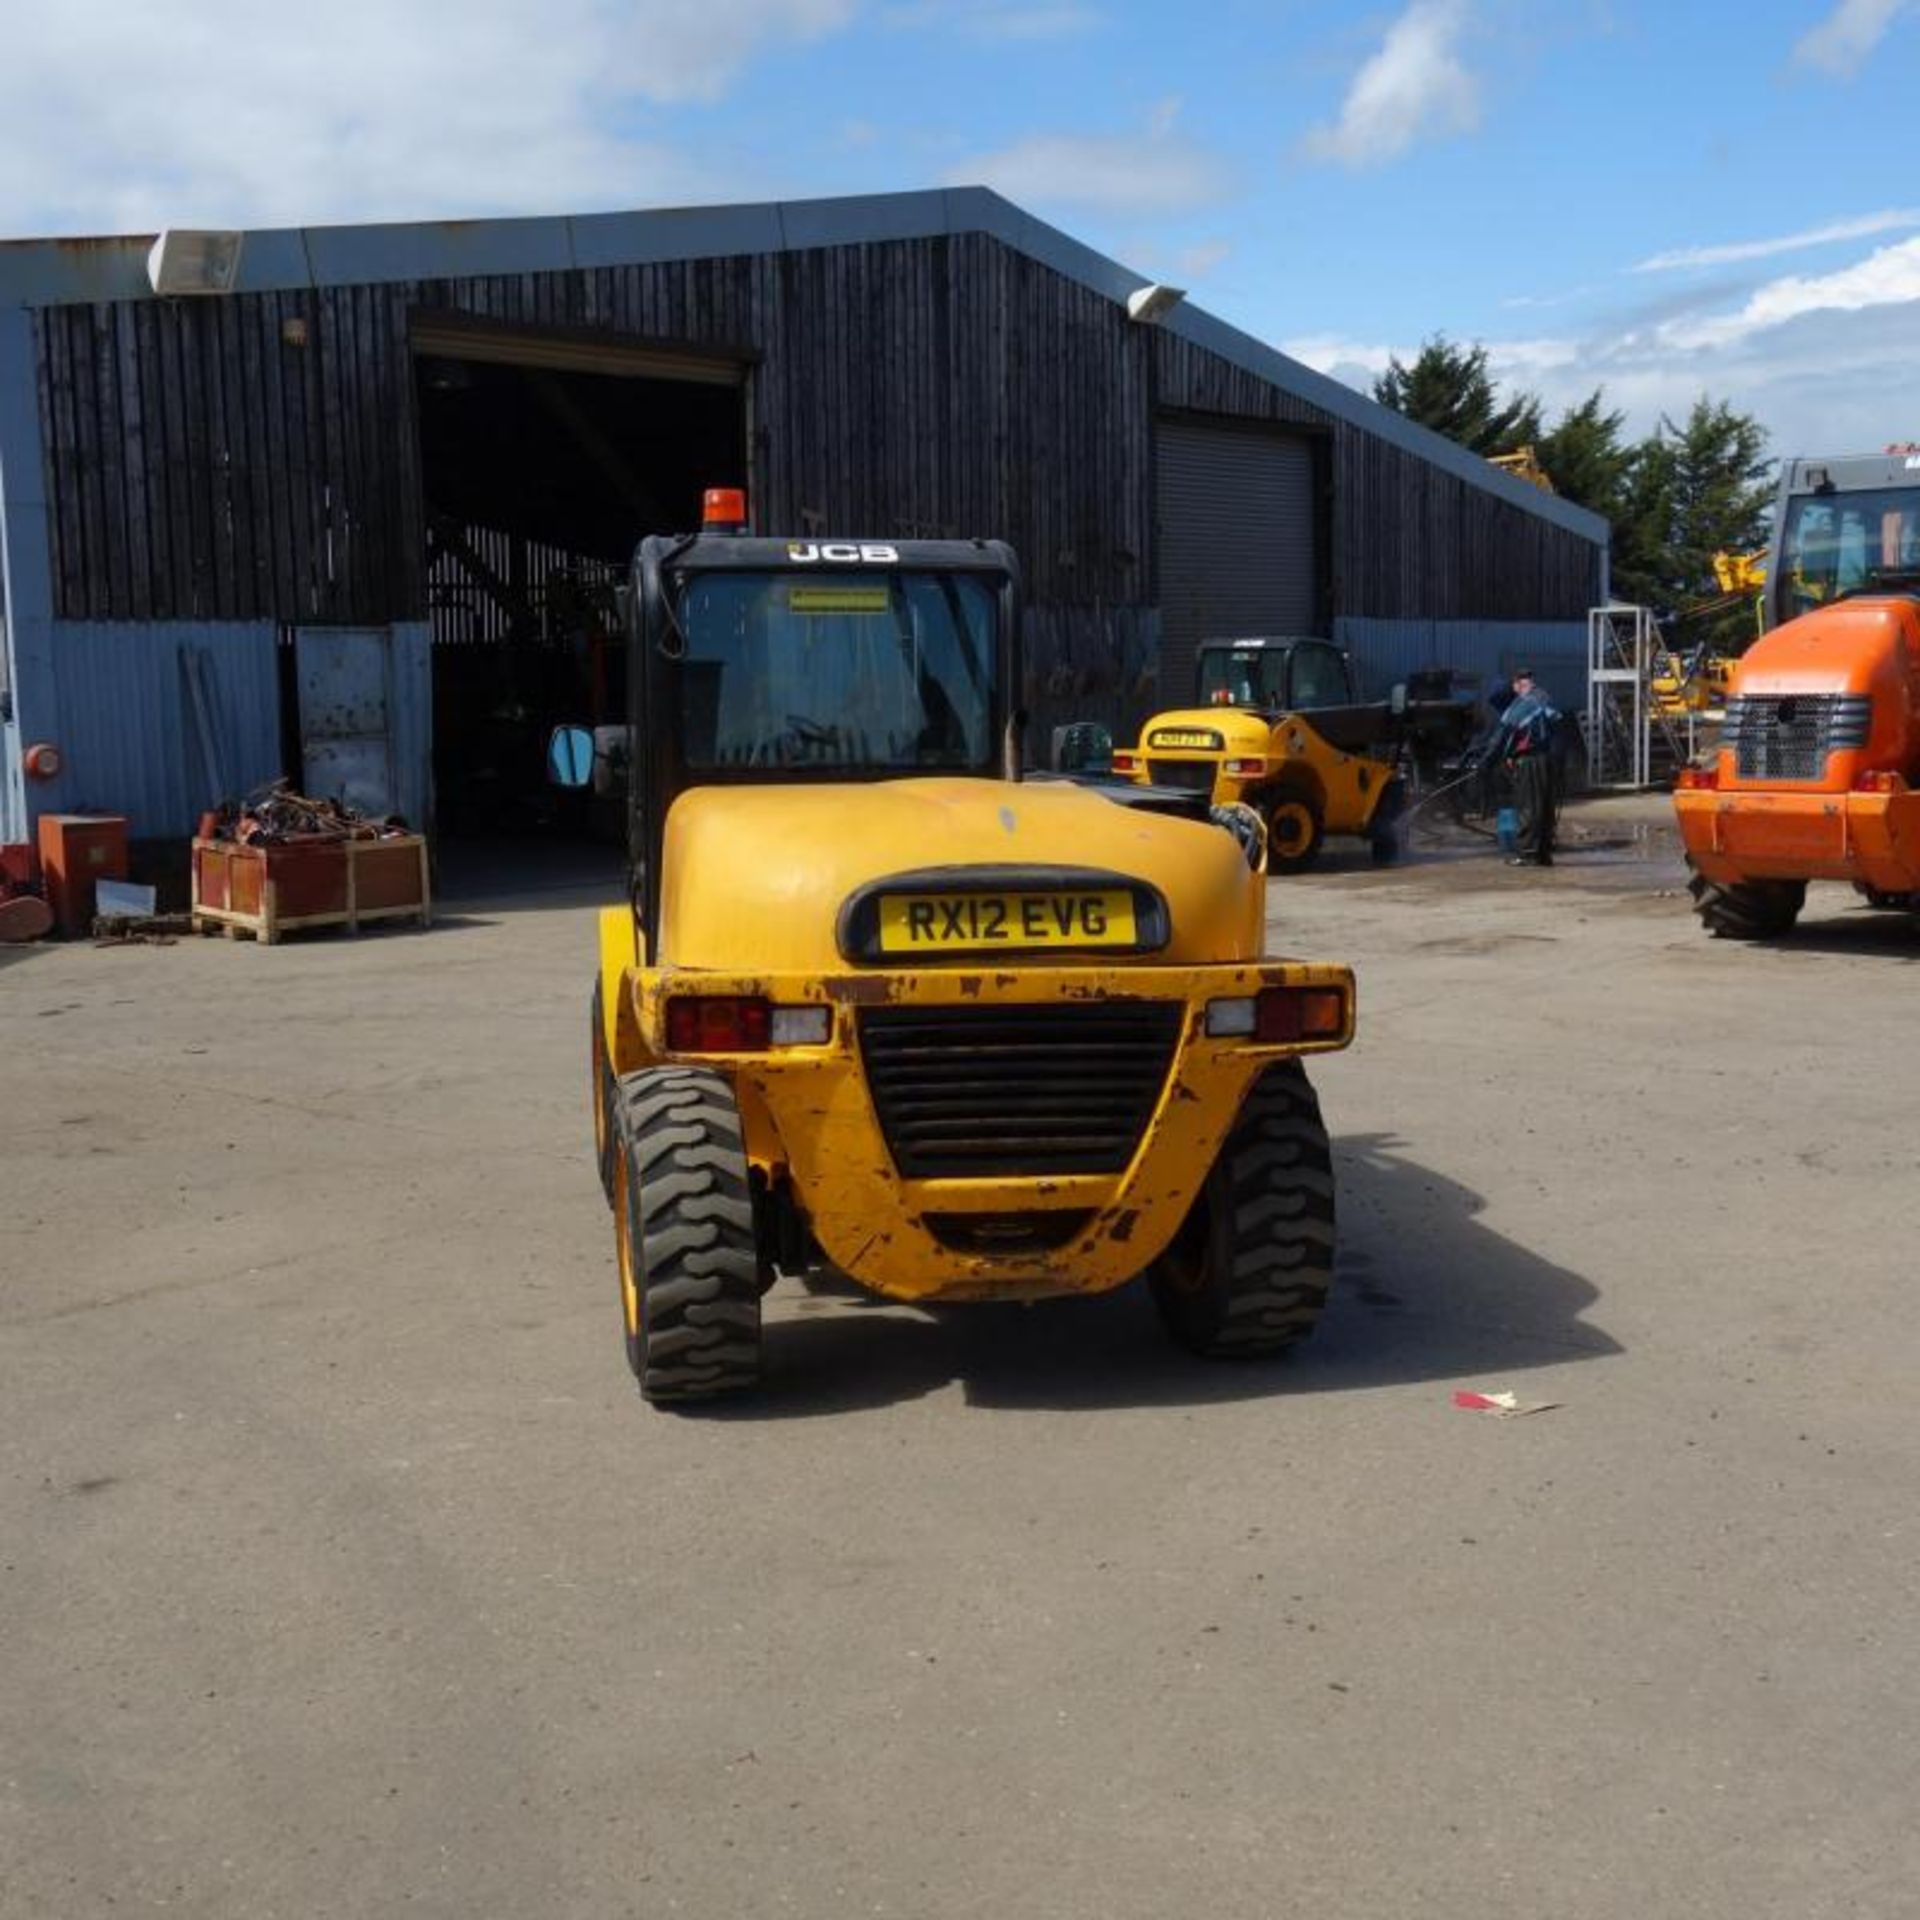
(1276, 728)
(1524, 464)
(1696, 680)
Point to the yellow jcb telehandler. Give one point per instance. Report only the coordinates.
(1276, 728)
(879, 1005)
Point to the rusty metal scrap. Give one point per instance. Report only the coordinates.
(275, 815)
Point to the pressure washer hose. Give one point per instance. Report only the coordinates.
(1439, 793)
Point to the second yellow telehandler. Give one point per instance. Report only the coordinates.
(1276, 727)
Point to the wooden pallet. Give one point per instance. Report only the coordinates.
(269, 891)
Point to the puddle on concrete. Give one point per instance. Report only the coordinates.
(1625, 840)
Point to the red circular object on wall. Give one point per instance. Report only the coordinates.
(43, 761)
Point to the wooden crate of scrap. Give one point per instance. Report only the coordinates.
(246, 888)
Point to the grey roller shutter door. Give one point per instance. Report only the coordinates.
(1236, 537)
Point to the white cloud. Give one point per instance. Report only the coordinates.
(1890, 276)
(1156, 172)
(1841, 43)
(1526, 363)
(118, 114)
(1415, 86)
(1354, 361)
(1826, 363)
(1861, 228)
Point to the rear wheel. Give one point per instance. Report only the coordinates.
(1883, 902)
(1248, 1273)
(690, 1267)
(1747, 909)
(1293, 833)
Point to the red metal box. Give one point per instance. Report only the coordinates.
(77, 849)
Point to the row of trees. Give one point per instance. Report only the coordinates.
(1676, 497)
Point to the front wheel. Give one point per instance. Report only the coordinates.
(1747, 909)
(690, 1266)
(1248, 1273)
(1293, 834)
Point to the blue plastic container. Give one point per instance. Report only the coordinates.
(1506, 829)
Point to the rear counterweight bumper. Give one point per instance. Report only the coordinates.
(811, 1119)
(1870, 839)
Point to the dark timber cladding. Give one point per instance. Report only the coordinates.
(256, 456)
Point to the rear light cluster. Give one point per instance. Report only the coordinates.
(1126, 763)
(1247, 769)
(731, 1023)
(1880, 783)
(1692, 778)
(1280, 1016)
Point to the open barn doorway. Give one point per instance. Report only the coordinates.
(544, 459)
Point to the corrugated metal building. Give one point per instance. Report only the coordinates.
(359, 513)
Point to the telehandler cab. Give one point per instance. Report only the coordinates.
(880, 1006)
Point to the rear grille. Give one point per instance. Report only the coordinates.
(1788, 736)
(1194, 776)
(978, 1092)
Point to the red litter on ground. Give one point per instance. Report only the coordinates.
(1505, 1406)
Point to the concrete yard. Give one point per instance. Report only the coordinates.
(342, 1572)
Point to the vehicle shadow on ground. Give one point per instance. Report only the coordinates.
(1423, 1291)
(488, 909)
(1863, 934)
(478, 881)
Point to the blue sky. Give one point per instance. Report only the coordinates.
(1660, 198)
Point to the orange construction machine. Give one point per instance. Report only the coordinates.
(1816, 772)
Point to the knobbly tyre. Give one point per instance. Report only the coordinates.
(881, 1005)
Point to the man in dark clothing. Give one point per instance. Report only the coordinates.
(1526, 742)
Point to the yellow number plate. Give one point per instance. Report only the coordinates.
(1185, 737)
(929, 922)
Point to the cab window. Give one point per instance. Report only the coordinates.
(1243, 677)
(878, 672)
(1841, 543)
(1319, 678)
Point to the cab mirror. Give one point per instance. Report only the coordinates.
(570, 757)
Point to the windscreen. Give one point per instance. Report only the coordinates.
(1840, 543)
(873, 672)
(1253, 677)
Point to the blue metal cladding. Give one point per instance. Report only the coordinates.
(24, 574)
(13, 813)
(1386, 651)
(161, 721)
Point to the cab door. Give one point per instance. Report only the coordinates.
(1317, 676)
